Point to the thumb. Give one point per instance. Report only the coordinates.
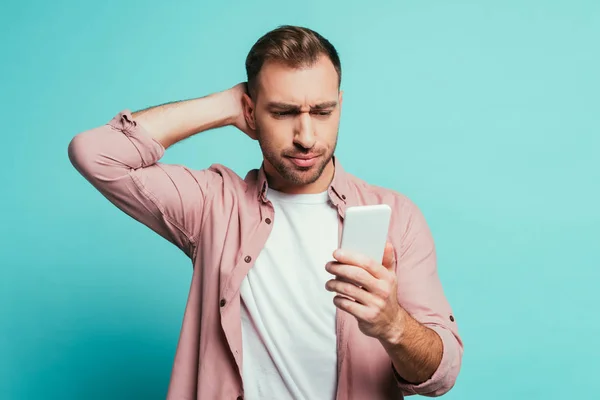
(388, 256)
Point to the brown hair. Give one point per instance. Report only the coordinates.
(293, 46)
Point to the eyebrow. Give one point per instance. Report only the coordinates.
(287, 106)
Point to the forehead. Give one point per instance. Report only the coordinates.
(303, 86)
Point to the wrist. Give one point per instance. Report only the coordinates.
(226, 108)
(396, 334)
(232, 105)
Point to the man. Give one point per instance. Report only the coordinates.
(273, 312)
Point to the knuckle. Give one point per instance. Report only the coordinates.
(380, 303)
(385, 297)
(370, 265)
(372, 316)
(385, 290)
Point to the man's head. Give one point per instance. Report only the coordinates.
(294, 77)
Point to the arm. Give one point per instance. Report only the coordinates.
(120, 159)
(403, 306)
(416, 351)
(426, 351)
(173, 122)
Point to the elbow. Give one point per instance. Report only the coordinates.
(447, 382)
(81, 154)
(76, 151)
(444, 378)
(441, 386)
(91, 155)
(446, 386)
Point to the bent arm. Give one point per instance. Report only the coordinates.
(173, 122)
(121, 160)
(431, 338)
(416, 351)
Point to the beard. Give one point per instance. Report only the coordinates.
(291, 172)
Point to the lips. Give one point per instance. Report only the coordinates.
(305, 160)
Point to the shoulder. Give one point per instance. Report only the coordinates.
(409, 232)
(407, 226)
(368, 194)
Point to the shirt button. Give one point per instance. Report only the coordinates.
(223, 302)
(452, 318)
(343, 197)
(268, 221)
(248, 259)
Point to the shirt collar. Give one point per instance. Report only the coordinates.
(337, 190)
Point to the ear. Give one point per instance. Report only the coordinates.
(341, 98)
(249, 114)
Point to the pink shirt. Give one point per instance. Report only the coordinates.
(222, 222)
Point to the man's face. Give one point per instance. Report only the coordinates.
(296, 116)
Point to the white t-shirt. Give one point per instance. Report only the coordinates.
(288, 317)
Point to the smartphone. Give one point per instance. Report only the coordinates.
(365, 230)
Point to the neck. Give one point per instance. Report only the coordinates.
(320, 185)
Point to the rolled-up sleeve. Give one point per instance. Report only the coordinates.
(421, 294)
(120, 159)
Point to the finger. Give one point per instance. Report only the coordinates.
(351, 258)
(332, 267)
(388, 256)
(351, 307)
(353, 274)
(351, 291)
(342, 279)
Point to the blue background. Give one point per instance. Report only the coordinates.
(484, 113)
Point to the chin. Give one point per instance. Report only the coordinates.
(305, 179)
(294, 174)
(302, 176)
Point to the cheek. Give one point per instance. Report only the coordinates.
(269, 136)
(275, 131)
(329, 131)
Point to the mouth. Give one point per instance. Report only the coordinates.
(304, 160)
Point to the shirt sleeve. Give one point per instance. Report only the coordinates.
(120, 159)
(421, 294)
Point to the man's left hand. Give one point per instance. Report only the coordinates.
(367, 290)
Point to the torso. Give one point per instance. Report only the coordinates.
(288, 318)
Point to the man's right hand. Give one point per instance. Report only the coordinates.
(241, 99)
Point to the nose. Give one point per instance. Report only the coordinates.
(304, 134)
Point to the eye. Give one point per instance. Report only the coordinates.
(281, 114)
(322, 113)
